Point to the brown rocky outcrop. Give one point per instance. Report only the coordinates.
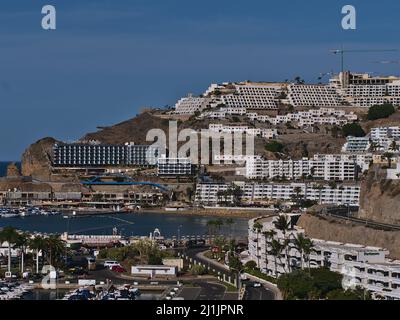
(346, 232)
(380, 198)
(12, 170)
(36, 160)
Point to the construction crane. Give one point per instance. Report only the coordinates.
(343, 51)
(387, 62)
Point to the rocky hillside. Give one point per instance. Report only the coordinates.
(132, 130)
(380, 198)
(336, 230)
(36, 160)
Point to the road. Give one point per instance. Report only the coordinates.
(203, 290)
(260, 293)
(252, 293)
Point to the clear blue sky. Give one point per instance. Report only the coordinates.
(109, 58)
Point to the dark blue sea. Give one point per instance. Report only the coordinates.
(128, 224)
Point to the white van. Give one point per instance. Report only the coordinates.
(110, 263)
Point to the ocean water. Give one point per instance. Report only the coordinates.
(3, 167)
(128, 224)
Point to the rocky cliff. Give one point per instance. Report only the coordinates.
(380, 198)
(36, 160)
(346, 232)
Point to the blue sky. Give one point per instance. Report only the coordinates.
(108, 59)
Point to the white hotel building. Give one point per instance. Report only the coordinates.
(190, 104)
(364, 266)
(174, 167)
(345, 194)
(385, 136)
(322, 167)
(262, 96)
(329, 116)
(313, 95)
(363, 90)
(356, 145)
(265, 133)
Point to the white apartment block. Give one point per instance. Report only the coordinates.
(189, 105)
(363, 160)
(364, 266)
(325, 169)
(206, 193)
(265, 133)
(328, 116)
(383, 138)
(223, 113)
(356, 145)
(311, 95)
(253, 96)
(174, 167)
(363, 90)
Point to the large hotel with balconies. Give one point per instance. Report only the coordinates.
(103, 155)
(361, 266)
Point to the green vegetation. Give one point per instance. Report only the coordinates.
(353, 129)
(274, 146)
(141, 252)
(197, 270)
(357, 294)
(380, 111)
(319, 283)
(257, 273)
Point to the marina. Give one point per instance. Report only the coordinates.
(127, 224)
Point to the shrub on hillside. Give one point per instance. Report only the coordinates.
(353, 129)
(274, 146)
(380, 111)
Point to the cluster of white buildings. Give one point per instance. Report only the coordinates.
(363, 90)
(190, 104)
(328, 116)
(386, 138)
(356, 145)
(344, 194)
(321, 167)
(174, 167)
(232, 129)
(361, 266)
(312, 95)
(344, 89)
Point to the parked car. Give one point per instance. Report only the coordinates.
(256, 285)
(118, 269)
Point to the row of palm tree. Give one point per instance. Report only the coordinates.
(52, 247)
(280, 248)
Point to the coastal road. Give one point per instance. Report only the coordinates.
(260, 293)
(251, 293)
(203, 290)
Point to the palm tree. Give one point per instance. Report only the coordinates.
(389, 157)
(22, 243)
(269, 236)
(37, 244)
(283, 224)
(300, 242)
(9, 235)
(257, 227)
(393, 146)
(276, 251)
(55, 248)
(308, 248)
